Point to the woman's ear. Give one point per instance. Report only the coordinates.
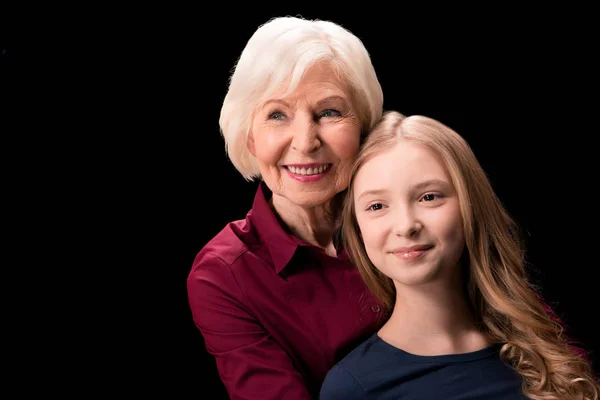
(250, 144)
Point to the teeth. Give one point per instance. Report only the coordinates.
(308, 171)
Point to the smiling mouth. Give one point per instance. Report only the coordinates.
(412, 253)
(308, 171)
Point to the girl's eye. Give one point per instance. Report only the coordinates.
(431, 197)
(375, 207)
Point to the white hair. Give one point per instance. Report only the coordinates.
(278, 55)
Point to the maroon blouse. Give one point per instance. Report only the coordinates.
(276, 312)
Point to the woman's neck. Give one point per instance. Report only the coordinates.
(315, 225)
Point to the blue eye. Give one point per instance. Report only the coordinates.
(330, 113)
(278, 115)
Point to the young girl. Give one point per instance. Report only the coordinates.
(433, 242)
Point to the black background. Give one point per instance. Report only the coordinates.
(130, 164)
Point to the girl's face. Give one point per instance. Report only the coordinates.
(409, 215)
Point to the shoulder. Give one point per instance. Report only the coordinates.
(226, 247)
(346, 379)
(362, 356)
(341, 384)
(234, 251)
(212, 284)
(371, 355)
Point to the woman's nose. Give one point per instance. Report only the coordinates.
(305, 135)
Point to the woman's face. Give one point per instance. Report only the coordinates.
(305, 143)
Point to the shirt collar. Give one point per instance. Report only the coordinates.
(281, 244)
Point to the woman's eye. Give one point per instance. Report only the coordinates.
(330, 113)
(278, 115)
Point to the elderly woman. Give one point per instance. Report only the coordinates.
(275, 297)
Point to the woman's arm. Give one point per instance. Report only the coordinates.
(250, 363)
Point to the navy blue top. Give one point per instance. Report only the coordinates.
(378, 370)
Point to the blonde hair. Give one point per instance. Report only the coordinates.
(510, 309)
(278, 55)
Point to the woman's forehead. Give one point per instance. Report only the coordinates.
(319, 76)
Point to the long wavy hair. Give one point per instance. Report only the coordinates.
(509, 307)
